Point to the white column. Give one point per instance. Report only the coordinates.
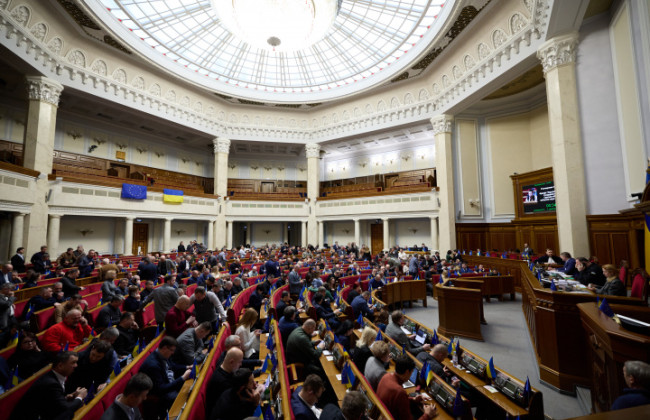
(118, 236)
(128, 236)
(321, 233)
(558, 57)
(38, 148)
(211, 234)
(357, 232)
(283, 229)
(442, 126)
(433, 246)
(167, 234)
(221, 150)
(303, 234)
(17, 231)
(312, 151)
(53, 229)
(386, 234)
(248, 232)
(229, 235)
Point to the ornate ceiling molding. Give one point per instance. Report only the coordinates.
(508, 45)
(558, 51)
(44, 90)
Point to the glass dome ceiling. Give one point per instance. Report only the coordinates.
(365, 43)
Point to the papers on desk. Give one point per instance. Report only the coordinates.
(338, 377)
(490, 388)
(329, 358)
(407, 332)
(408, 384)
(327, 353)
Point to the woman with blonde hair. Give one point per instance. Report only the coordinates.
(614, 286)
(362, 352)
(250, 339)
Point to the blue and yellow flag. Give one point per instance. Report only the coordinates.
(268, 365)
(379, 336)
(139, 346)
(67, 346)
(457, 410)
(30, 311)
(491, 371)
(434, 338)
(605, 308)
(553, 286)
(193, 371)
(172, 196)
(13, 380)
(117, 369)
(268, 414)
(270, 343)
(360, 321)
(527, 391)
(14, 340)
(258, 413)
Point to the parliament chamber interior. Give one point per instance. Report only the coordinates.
(324, 209)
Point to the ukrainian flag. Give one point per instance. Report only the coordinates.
(117, 369)
(172, 196)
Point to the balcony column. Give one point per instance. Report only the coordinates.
(357, 233)
(442, 128)
(128, 236)
(303, 234)
(221, 150)
(229, 234)
(312, 151)
(210, 234)
(17, 232)
(386, 234)
(53, 229)
(321, 234)
(558, 57)
(43, 95)
(434, 234)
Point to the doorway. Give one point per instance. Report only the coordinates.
(376, 238)
(140, 238)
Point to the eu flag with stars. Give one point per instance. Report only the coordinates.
(134, 191)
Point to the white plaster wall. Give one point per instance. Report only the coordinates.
(337, 232)
(193, 230)
(603, 158)
(101, 239)
(260, 237)
(5, 232)
(404, 235)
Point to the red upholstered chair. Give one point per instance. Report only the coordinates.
(622, 272)
(43, 319)
(9, 399)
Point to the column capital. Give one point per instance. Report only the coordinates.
(558, 51)
(442, 124)
(432, 218)
(221, 145)
(385, 219)
(312, 150)
(42, 89)
(129, 218)
(21, 214)
(168, 219)
(356, 220)
(55, 216)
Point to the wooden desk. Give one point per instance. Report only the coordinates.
(459, 311)
(404, 291)
(553, 318)
(610, 345)
(641, 412)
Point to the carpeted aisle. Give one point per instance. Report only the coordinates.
(507, 340)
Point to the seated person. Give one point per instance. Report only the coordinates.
(167, 376)
(343, 333)
(221, 379)
(637, 379)
(128, 335)
(549, 259)
(132, 301)
(110, 314)
(569, 267)
(394, 397)
(126, 405)
(377, 364)
(464, 269)
(362, 353)
(376, 283)
(75, 302)
(356, 291)
(324, 311)
(288, 323)
(93, 367)
(285, 300)
(353, 407)
(178, 318)
(67, 334)
(190, 346)
(435, 358)
(28, 357)
(588, 272)
(305, 397)
(394, 331)
(148, 288)
(250, 339)
(240, 400)
(613, 285)
(257, 299)
(360, 305)
(301, 349)
(46, 398)
(41, 301)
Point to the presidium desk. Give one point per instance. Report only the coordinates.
(554, 324)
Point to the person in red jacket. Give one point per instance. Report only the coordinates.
(394, 397)
(178, 318)
(68, 333)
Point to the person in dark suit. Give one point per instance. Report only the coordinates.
(239, 401)
(46, 399)
(68, 281)
(125, 406)
(166, 375)
(18, 260)
(636, 374)
(325, 311)
(303, 401)
(38, 260)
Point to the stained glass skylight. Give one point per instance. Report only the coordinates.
(368, 42)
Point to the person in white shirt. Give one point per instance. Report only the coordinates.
(250, 339)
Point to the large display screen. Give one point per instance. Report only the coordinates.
(539, 198)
